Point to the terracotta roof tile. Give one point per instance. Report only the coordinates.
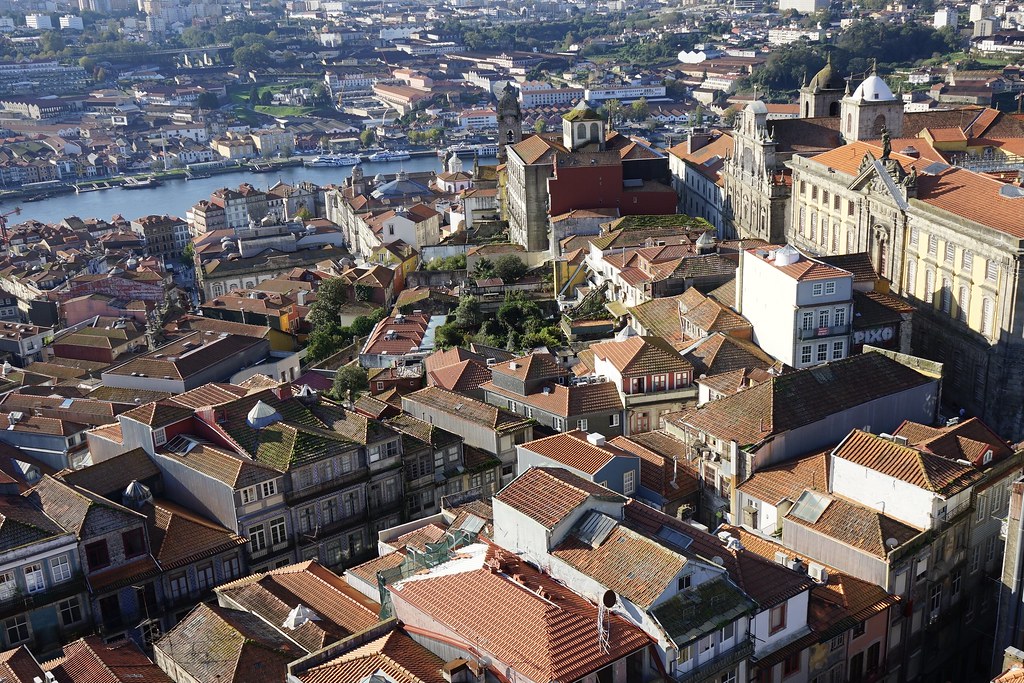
(562, 644)
(967, 440)
(789, 479)
(397, 655)
(230, 646)
(641, 356)
(90, 660)
(859, 527)
(549, 494)
(342, 609)
(114, 474)
(800, 398)
(466, 408)
(567, 401)
(925, 470)
(572, 449)
(178, 536)
(664, 467)
(19, 666)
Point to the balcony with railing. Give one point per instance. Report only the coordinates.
(822, 332)
(22, 601)
(721, 662)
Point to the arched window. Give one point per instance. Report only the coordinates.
(947, 295)
(595, 134)
(833, 109)
(849, 123)
(963, 304)
(581, 132)
(987, 311)
(879, 124)
(911, 277)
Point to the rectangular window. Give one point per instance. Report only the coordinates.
(822, 354)
(957, 579)
(727, 632)
(933, 245)
(248, 495)
(685, 654)
(838, 349)
(838, 642)
(914, 236)
(581, 424)
(629, 482)
(232, 567)
(990, 549)
(991, 270)
(134, 542)
(278, 531)
(935, 597)
(70, 611)
(34, 581)
(706, 643)
(975, 558)
(60, 568)
(950, 252)
(558, 424)
(817, 289)
(839, 319)
(613, 420)
(968, 260)
(179, 585)
(8, 586)
(269, 488)
(777, 619)
(823, 318)
(96, 555)
(806, 320)
(830, 287)
(814, 191)
(683, 582)
(16, 630)
(791, 664)
(204, 576)
(805, 354)
(849, 208)
(307, 519)
(257, 538)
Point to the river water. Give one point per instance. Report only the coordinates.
(174, 197)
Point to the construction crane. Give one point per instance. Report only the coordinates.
(16, 211)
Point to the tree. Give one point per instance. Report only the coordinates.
(349, 380)
(326, 310)
(367, 137)
(449, 335)
(468, 314)
(267, 98)
(51, 42)
(303, 214)
(250, 57)
(483, 269)
(188, 255)
(208, 100)
(614, 109)
(698, 116)
(100, 75)
(639, 110)
(510, 268)
(88, 64)
(254, 96)
(540, 126)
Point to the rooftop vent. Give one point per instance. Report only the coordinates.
(262, 415)
(596, 439)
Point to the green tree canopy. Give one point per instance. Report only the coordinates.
(509, 268)
(349, 381)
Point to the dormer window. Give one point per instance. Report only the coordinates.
(987, 457)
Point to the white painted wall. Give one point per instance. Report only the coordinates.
(769, 303)
(893, 497)
(796, 623)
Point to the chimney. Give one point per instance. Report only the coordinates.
(698, 139)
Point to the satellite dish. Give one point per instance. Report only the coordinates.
(891, 543)
(609, 599)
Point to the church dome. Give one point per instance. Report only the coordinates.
(873, 89)
(827, 78)
(757, 107)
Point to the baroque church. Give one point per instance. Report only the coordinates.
(933, 197)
